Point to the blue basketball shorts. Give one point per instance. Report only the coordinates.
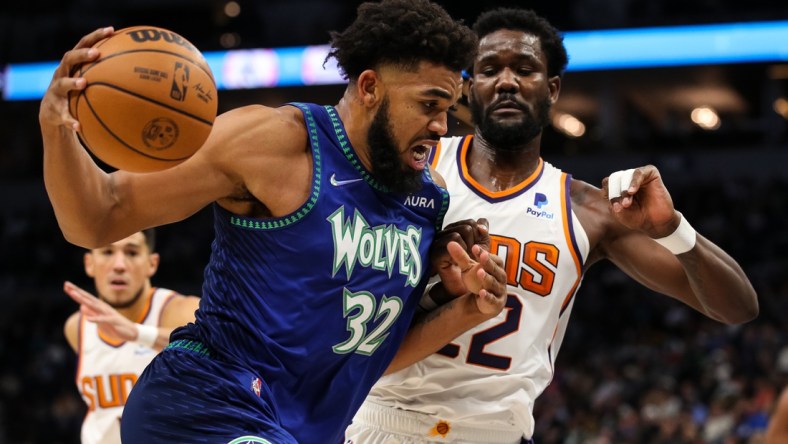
(187, 396)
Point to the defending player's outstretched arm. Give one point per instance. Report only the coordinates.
(111, 323)
(650, 241)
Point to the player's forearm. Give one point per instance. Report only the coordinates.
(77, 188)
(163, 338)
(434, 329)
(148, 335)
(719, 284)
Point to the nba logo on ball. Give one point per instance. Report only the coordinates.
(150, 100)
(180, 81)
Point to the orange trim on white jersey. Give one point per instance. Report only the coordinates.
(106, 373)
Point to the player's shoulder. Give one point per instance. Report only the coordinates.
(72, 322)
(71, 330)
(178, 309)
(261, 115)
(241, 135)
(184, 302)
(174, 295)
(583, 193)
(589, 203)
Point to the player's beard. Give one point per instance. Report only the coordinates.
(511, 136)
(120, 305)
(387, 166)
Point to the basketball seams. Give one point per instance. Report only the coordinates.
(147, 99)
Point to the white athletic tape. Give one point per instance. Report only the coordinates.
(680, 241)
(619, 182)
(146, 335)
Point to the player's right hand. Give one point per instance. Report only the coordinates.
(54, 106)
(110, 322)
(467, 233)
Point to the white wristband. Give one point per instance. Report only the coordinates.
(427, 303)
(146, 335)
(680, 241)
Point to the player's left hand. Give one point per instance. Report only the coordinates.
(483, 275)
(466, 233)
(110, 323)
(54, 109)
(639, 200)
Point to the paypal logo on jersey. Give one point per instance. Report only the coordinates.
(540, 200)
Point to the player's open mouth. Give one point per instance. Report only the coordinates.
(419, 156)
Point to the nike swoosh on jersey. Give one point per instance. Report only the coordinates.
(339, 183)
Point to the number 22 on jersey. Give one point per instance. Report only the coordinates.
(530, 266)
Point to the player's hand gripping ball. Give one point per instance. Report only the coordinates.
(150, 100)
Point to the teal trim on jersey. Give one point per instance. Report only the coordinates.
(444, 202)
(192, 346)
(349, 153)
(273, 224)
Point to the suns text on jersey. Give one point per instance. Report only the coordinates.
(384, 247)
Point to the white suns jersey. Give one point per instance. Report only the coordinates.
(108, 369)
(491, 375)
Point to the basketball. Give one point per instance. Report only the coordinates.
(150, 100)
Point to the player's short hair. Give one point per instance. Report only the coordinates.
(150, 239)
(526, 20)
(403, 33)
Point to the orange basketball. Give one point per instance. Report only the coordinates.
(150, 100)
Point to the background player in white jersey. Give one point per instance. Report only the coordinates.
(117, 334)
(549, 228)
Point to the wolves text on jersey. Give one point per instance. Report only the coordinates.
(384, 247)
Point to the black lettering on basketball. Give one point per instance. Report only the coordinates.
(144, 35)
(154, 35)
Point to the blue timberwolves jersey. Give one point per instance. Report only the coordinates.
(317, 302)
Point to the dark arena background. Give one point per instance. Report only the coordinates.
(635, 367)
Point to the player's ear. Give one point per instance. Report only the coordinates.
(467, 89)
(153, 263)
(554, 83)
(368, 87)
(90, 268)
